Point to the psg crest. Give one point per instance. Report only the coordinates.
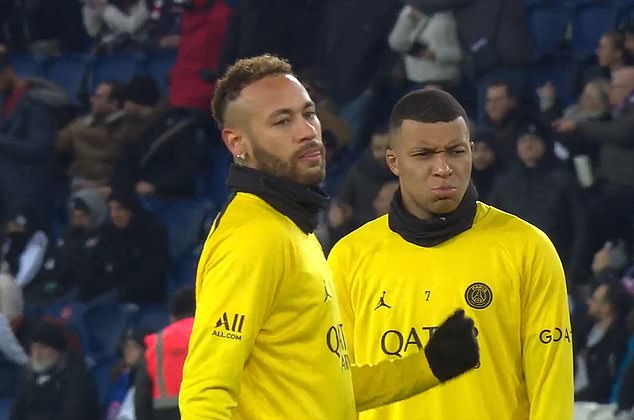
(478, 295)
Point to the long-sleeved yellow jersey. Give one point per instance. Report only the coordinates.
(268, 339)
(507, 276)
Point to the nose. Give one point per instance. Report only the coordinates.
(307, 130)
(441, 167)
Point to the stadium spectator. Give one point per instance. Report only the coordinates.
(56, 385)
(605, 344)
(131, 256)
(540, 190)
(506, 116)
(115, 24)
(353, 204)
(120, 400)
(11, 307)
(27, 131)
(25, 246)
(159, 376)
(92, 144)
(496, 41)
(203, 27)
(63, 273)
(429, 46)
(486, 161)
(608, 212)
(160, 157)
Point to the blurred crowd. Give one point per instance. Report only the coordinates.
(108, 184)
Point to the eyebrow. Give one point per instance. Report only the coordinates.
(452, 145)
(282, 111)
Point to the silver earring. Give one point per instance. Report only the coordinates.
(240, 158)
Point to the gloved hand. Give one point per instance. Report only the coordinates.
(453, 349)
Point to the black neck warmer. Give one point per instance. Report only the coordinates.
(300, 203)
(439, 228)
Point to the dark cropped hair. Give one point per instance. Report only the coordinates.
(426, 106)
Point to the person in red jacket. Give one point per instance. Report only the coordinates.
(159, 377)
(203, 27)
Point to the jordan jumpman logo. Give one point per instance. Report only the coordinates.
(382, 302)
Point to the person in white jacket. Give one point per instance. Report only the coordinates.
(11, 307)
(107, 21)
(430, 47)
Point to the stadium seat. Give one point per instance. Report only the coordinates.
(5, 408)
(105, 325)
(212, 182)
(9, 374)
(560, 70)
(548, 21)
(26, 65)
(591, 19)
(626, 12)
(115, 67)
(154, 317)
(72, 317)
(101, 374)
(67, 71)
(158, 66)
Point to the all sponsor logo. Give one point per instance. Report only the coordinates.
(229, 326)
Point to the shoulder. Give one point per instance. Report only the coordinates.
(251, 223)
(364, 239)
(509, 230)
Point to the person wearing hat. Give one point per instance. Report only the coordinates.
(131, 257)
(160, 159)
(56, 385)
(540, 190)
(63, 268)
(487, 163)
(161, 162)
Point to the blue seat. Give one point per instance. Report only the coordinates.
(559, 70)
(26, 65)
(119, 67)
(5, 408)
(105, 325)
(67, 71)
(9, 375)
(590, 20)
(626, 12)
(153, 317)
(101, 374)
(72, 317)
(212, 183)
(548, 21)
(158, 66)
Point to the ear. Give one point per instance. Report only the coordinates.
(392, 161)
(234, 141)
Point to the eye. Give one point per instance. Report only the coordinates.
(282, 122)
(458, 151)
(422, 154)
(310, 114)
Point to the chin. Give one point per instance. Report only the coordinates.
(444, 206)
(312, 177)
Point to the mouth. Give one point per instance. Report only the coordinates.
(312, 155)
(445, 191)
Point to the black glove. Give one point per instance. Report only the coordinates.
(453, 349)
